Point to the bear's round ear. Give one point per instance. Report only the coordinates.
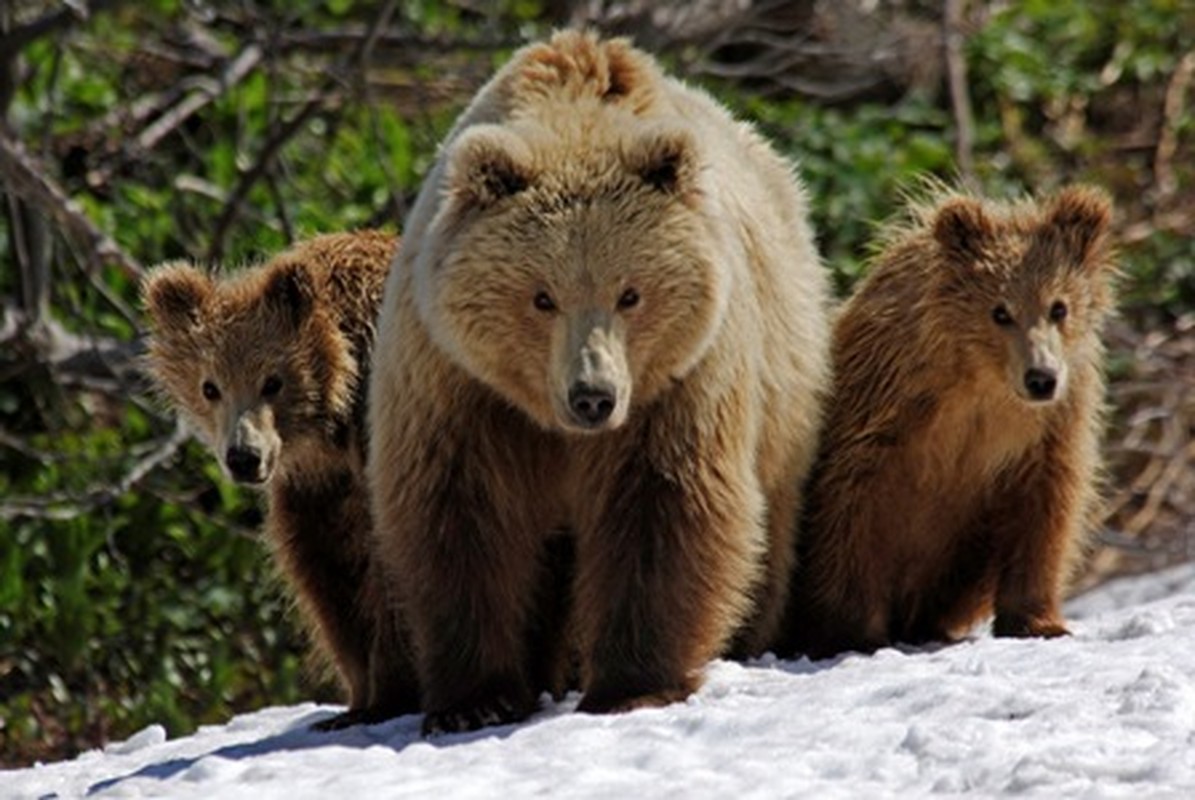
(174, 293)
(1080, 216)
(963, 230)
(291, 290)
(487, 164)
(666, 160)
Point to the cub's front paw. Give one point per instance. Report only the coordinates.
(354, 716)
(614, 701)
(1023, 626)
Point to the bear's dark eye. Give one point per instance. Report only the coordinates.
(1058, 311)
(629, 299)
(1001, 316)
(210, 391)
(272, 386)
(544, 302)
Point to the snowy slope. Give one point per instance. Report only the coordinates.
(1109, 712)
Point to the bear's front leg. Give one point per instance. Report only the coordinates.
(468, 586)
(463, 557)
(664, 573)
(1038, 530)
(319, 528)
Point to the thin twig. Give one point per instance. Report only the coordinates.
(252, 175)
(25, 177)
(327, 94)
(1172, 114)
(67, 505)
(204, 93)
(392, 188)
(960, 97)
(69, 14)
(375, 31)
(390, 41)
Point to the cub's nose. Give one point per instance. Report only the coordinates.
(1040, 383)
(244, 464)
(591, 405)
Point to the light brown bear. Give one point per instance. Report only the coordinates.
(959, 463)
(608, 318)
(270, 365)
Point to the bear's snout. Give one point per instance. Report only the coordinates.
(591, 405)
(1041, 384)
(244, 464)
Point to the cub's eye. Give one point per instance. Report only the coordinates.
(272, 386)
(629, 299)
(1001, 316)
(544, 302)
(210, 391)
(1058, 311)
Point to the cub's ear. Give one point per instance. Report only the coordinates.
(291, 290)
(963, 230)
(666, 160)
(1080, 216)
(488, 163)
(174, 293)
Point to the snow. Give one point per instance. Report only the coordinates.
(1108, 712)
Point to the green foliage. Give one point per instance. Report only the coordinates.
(1075, 91)
(855, 164)
(148, 608)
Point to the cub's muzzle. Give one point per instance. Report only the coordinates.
(244, 464)
(1041, 384)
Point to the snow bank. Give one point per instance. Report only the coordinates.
(1109, 712)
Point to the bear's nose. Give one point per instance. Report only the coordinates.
(243, 464)
(591, 405)
(1040, 383)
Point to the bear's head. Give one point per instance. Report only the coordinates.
(252, 361)
(577, 280)
(1028, 287)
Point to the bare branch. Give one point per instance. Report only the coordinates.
(203, 94)
(326, 96)
(255, 173)
(960, 97)
(390, 41)
(72, 357)
(25, 178)
(66, 16)
(375, 32)
(1172, 114)
(67, 505)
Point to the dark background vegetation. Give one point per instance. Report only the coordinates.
(132, 587)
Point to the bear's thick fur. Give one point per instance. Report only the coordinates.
(959, 463)
(270, 365)
(608, 318)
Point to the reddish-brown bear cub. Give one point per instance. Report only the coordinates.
(958, 466)
(270, 365)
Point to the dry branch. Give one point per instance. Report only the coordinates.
(1151, 457)
(203, 94)
(24, 176)
(390, 42)
(66, 16)
(248, 178)
(327, 95)
(960, 97)
(1172, 114)
(69, 505)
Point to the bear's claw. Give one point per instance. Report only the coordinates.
(350, 718)
(1023, 627)
(496, 711)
